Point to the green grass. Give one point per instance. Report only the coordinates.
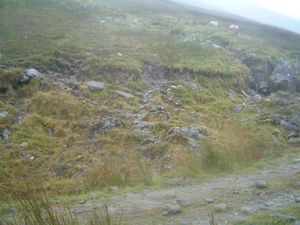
(115, 42)
(38, 209)
(267, 219)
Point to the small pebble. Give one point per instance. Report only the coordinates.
(261, 184)
(77, 210)
(173, 209)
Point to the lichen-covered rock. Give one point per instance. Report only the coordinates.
(261, 184)
(124, 94)
(95, 85)
(159, 111)
(286, 77)
(172, 209)
(192, 135)
(5, 135)
(3, 114)
(29, 75)
(105, 125)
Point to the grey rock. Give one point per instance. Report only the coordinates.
(268, 204)
(13, 209)
(111, 122)
(222, 207)
(297, 222)
(293, 134)
(50, 132)
(82, 202)
(173, 209)
(291, 124)
(124, 94)
(95, 85)
(256, 98)
(159, 111)
(286, 218)
(5, 135)
(263, 88)
(261, 68)
(231, 95)
(77, 211)
(193, 135)
(105, 125)
(286, 76)
(3, 114)
(24, 79)
(261, 184)
(297, 199)
(191, 85)
(30, 74)
(19, 118)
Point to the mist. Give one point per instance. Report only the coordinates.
(247, 9)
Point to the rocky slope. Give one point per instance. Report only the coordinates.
(108, 93)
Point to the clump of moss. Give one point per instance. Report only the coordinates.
(11, 85)
(56, 105)
(113, 65)
(11, 78)
(7, 120)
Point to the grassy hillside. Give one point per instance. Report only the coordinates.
(130, 46)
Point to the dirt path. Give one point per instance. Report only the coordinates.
(233, 198)
(139, 122)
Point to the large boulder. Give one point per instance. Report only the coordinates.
(291, 124)
(286, 77)
(261, 67)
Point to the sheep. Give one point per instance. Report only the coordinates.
(214, 23)
(234, 27)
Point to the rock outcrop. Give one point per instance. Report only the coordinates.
(105, 125)
(192, 136)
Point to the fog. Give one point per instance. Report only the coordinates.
(274, 13)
